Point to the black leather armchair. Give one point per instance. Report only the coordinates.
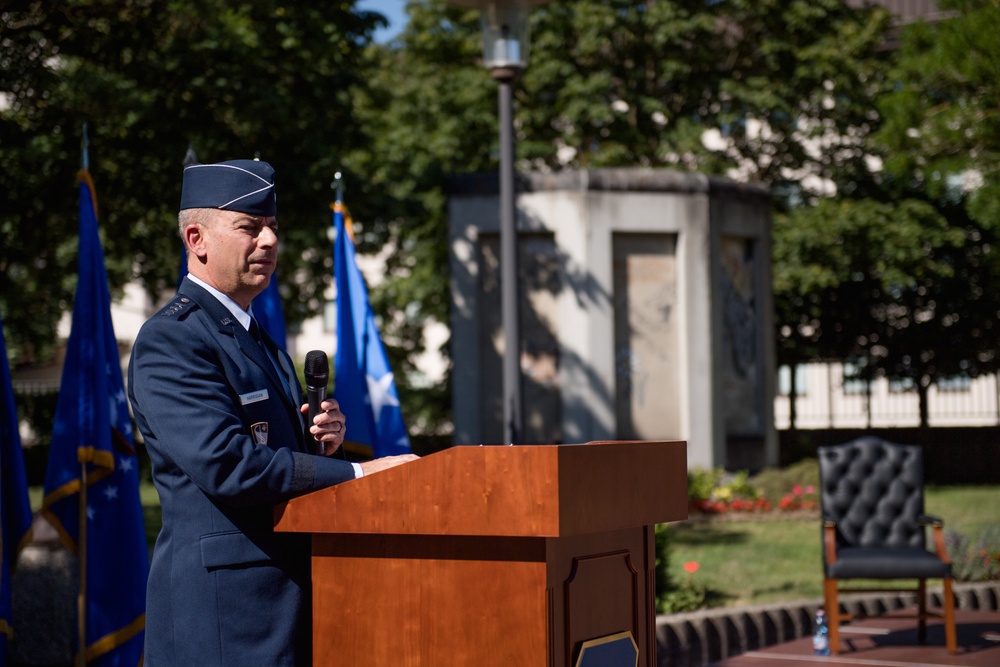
(872, 503)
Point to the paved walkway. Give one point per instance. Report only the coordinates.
(890, 642)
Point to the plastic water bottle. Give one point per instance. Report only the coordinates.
(821, 638)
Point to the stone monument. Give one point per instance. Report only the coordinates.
(645, 305)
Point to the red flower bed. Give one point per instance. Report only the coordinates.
(735, 505)
(801, 498)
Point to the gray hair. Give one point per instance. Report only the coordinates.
(194, 216)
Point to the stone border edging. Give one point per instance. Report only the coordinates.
(695, 639)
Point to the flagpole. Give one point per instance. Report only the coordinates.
(338, 186)
(81, 599)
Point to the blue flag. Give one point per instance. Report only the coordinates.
(15, 510)
(184, 266)
(93, 451)
(363, 382)
(267, 310)
(266, 307)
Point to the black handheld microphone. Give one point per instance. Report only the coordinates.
(317, 372)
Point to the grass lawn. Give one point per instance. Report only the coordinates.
(775, 557)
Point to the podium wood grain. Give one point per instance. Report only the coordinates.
(490, 555)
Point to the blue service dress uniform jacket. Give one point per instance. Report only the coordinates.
(227, 443)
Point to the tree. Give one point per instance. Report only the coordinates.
(777, 92)
(941, 129)
(783, 88)
(941, 139)
(913, 243)
(151, 77)
(864, 282)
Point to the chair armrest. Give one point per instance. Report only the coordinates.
(830, 541)
(937, 526)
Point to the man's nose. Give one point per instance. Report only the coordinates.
(267, 237)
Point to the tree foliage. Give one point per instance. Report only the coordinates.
(941, 139)
(150, 78)
(891, 268)
(914, 248)
(627, 83)
(854, 273)
(942, 128)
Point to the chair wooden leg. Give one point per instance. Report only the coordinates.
(951, 640)
(922, 611)
(832, 609)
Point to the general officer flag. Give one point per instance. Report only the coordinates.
(92, 455)
(15, 510)
(363, 382)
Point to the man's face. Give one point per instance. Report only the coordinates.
(241, 253)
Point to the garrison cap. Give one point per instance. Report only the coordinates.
(246, 186)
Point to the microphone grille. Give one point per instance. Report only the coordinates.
(317, 365)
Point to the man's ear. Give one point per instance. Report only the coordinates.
(194, 239)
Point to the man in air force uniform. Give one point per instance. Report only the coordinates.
(220, 415)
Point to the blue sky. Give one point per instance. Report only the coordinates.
(394, 10)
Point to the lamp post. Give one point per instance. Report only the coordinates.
(505, 55)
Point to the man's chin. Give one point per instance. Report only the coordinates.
(258, 282)
(262, 272)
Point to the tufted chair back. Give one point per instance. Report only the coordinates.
(874, 490)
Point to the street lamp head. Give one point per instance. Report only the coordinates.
(505, 34)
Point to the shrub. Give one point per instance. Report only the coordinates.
(715, 491)
(776, 482)
(976, 557)
(701, 483)
(673, 597)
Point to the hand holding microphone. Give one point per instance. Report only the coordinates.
(317, 375)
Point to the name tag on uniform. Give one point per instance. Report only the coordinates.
(253, 397)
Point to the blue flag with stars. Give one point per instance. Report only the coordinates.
(15, 510)
(93, 451)
(363, 382)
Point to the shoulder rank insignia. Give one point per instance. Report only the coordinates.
(178, 305)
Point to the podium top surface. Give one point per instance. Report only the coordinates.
(522, 490)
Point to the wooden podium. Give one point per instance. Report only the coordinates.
(490, 555)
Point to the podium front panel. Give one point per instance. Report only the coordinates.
(410, 605)
(404, 601)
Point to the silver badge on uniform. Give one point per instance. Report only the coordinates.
(259, 431)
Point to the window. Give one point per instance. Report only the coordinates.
(954, 383)
(785, 380)
(901, 385)
(854, 383)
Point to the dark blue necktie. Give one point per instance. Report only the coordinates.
(256, 335)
